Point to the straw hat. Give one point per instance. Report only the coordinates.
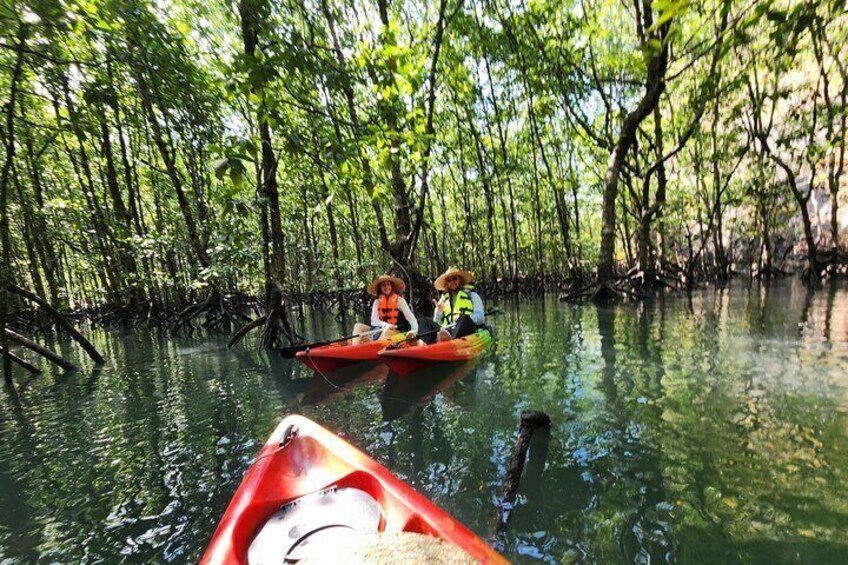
(373, 287)
(453, 272)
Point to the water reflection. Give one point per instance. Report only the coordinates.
(710, 427)
(321, 387)
(403, 393)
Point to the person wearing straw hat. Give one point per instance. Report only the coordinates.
(459, 306)
(389, 312)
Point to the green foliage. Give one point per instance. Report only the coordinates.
(529, 101)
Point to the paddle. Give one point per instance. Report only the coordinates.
(289, 352)
(397, 344)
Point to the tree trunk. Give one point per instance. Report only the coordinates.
(662, 184)
(45, 248)
(429, 131)
(171, 168)
(654, 87)
(122, 215)
(29, 237)
(368, 177)
(43, 351)
(509, 218)
(277, 323)
(5, 174)
(60, 320)
(487, 193)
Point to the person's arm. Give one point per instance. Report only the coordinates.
(376, 322)
(404, 308)
(478, 316)
(438, 314)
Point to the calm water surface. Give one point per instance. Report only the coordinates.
(702, 429)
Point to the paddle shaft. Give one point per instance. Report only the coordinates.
(289, 352)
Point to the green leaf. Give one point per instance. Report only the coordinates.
(220, 166)
(668, 9)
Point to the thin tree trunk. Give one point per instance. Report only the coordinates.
(22, 362)
(277, 318)
(46, 251)
(9, 135)
(171, 168)
(487, 193)
(122, 215)
(429, 130)
(654, 86)
(367, 174)
(29, 237)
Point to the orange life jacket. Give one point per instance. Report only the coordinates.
(388, 308)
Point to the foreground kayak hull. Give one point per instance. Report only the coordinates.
(328, 358)
(406, 360)
(302, 458)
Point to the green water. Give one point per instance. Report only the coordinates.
(702, 429)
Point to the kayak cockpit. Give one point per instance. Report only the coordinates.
(310, 490)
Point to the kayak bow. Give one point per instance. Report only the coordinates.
(309, 490)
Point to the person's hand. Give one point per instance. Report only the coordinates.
(440, 306)
(411, 335)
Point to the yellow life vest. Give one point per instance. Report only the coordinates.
(462, 304)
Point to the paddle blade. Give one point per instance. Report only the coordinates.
(290, 352)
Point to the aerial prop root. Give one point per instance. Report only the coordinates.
(218, 311)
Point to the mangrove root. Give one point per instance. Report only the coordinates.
(531, 420)
(61, 320)
(44, 352)
(22, 362)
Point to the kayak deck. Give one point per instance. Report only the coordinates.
(304, 467)
(328, 358)
(409, 358)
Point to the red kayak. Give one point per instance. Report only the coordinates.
(309, 490)
(408, 358)
(327, 358)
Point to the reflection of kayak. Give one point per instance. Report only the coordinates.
(401, 394)
(322, 387)
(310, 490)
(336, 356)
(408, 358)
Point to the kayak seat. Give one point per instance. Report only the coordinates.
(321, 520)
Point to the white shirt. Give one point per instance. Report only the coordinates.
(376, 322)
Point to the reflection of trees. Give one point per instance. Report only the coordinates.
(632, 459)
(140, 459)
(744, 441)
(706, 436)
(17, 514)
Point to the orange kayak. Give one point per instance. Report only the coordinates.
(408, 358)
(327, 358)
(309, 490)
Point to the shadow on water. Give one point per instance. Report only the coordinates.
(322, 387)
(402, 393)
